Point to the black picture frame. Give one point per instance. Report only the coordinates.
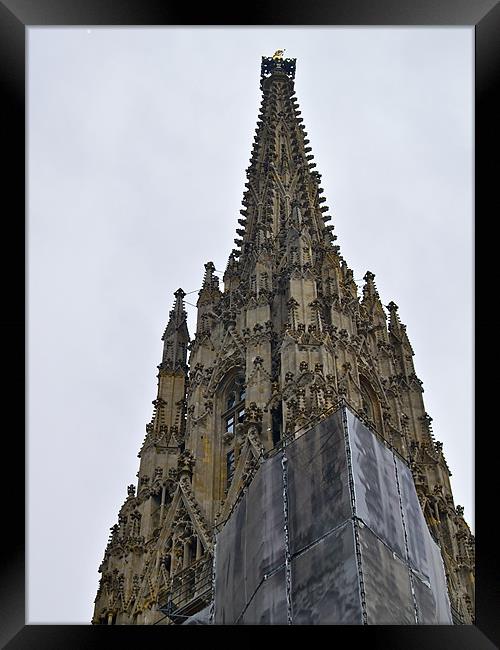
(15, 17)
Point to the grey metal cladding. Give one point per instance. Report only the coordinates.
(375, 485)
(389, 599)
(264, 538)
(424, 555)
(426, 602)
(402, 577)
(318, 485)
(418, 532)
(325, 587)
(230, 596)
(268, 606)
(438, 585)
(200, 618)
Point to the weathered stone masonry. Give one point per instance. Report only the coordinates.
(275, 348)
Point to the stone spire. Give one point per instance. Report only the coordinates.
(394, 322)
(281, 172)
(370, 293)
(371, 302)
(286, 340)
(402, 345)
(397, 329)
(210, 287)
(176, 336)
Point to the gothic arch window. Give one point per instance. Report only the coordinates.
(234, 404)
(233, 412)
(366, 402)
(369, 402)
(277, 422)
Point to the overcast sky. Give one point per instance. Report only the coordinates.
(138, 144)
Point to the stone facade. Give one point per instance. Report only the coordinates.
(274, 351)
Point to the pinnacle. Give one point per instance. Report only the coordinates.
(393, 313)
(370, 289)
(283, 188)
(176, 334)
(395, 325)
(178, 313)
(231, 266)
(210, 281)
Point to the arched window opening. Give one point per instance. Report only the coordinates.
(235, 405)
(230, 465)
(277, 423)
(234, 413)
(155, 509)
(366, 403)
(236, 393)
(370, 404)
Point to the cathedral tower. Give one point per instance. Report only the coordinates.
(277, 348)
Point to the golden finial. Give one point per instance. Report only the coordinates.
(278, 55)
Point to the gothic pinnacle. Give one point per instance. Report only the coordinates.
(209, 292)
(177, 315)
(394, 324)
(369, 289)
(396, 327)
(232, 266)
(210, 281)
(176, 335)
(179, 311)
(280, 155)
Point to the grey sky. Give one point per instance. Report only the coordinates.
(138, 144)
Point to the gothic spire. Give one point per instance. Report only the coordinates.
(209, 292)
(176, 336)
(282, 182)
(371, 300)
(274, 352)
(398, 331)
(210, 281)
(370, 293)
(395, 327)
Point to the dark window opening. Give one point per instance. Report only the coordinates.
(370, 405)
(230, 424)
(235, 406)
(367, 404)
(230, 465)
(277, 423)
(233, 415)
